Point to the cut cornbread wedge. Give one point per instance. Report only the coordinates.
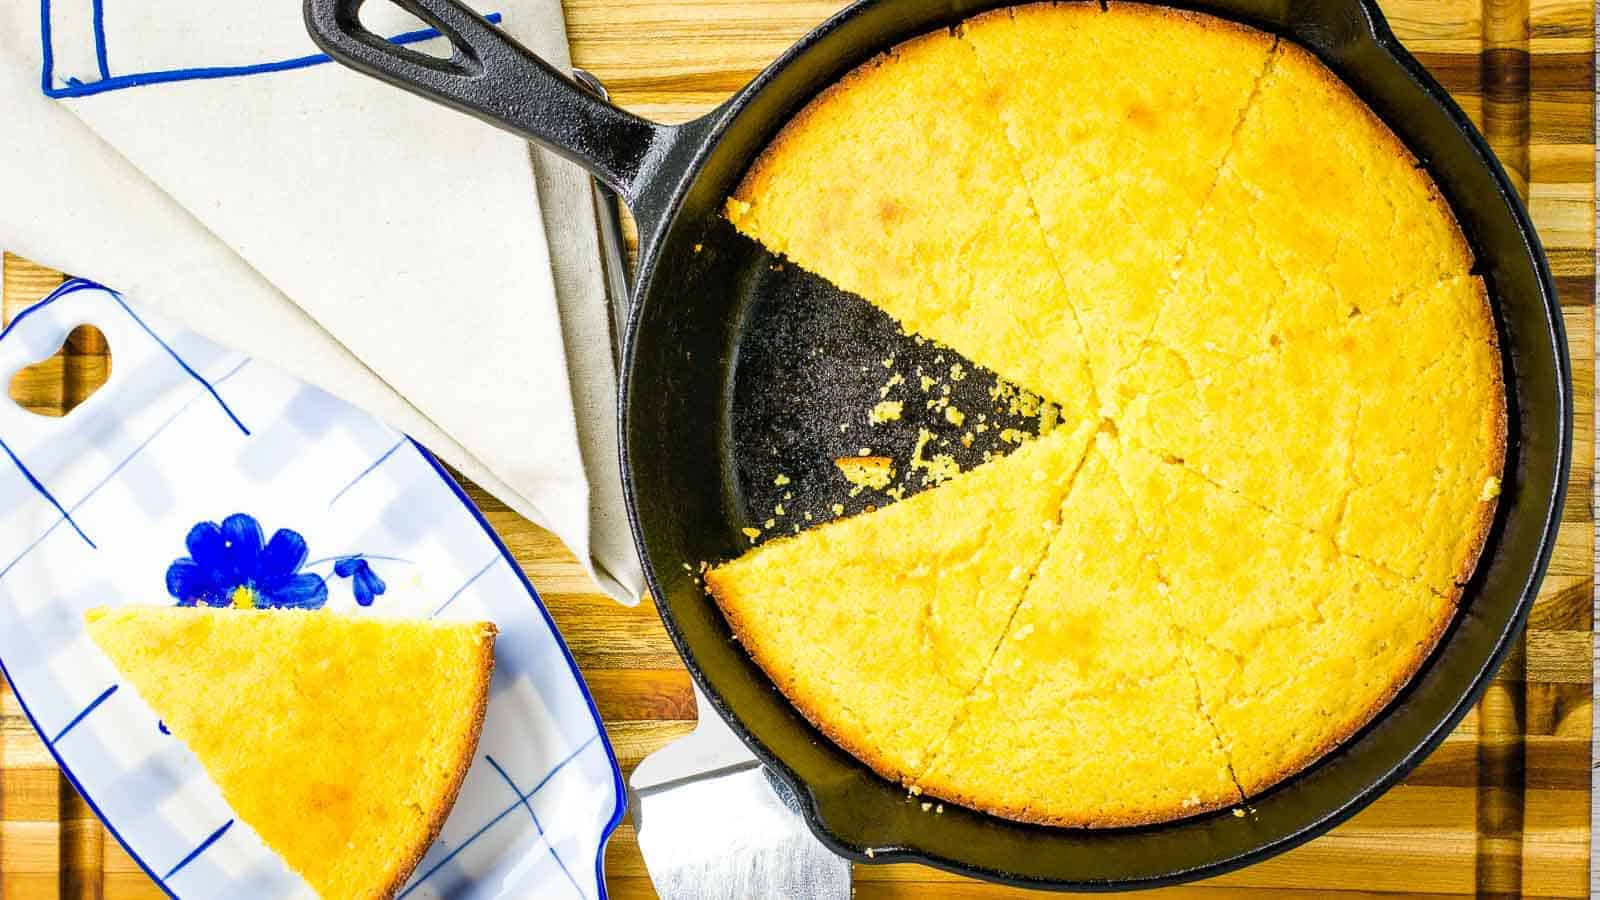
(1289, 264)
(876, 626)
(1088, 715)
(1295, 646)
(896, 185)
(1118, 154)
(342, 741)
(1396, 417)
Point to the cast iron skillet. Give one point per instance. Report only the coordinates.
(714, 401)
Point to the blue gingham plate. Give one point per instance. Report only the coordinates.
(123, 501)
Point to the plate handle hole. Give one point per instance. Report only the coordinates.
(58, 384)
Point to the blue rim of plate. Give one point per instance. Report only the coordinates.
(619, 790)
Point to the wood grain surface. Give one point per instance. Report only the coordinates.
(1502, 808)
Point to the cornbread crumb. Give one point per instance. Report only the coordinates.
(955, 416)
(937, 469)
(886, 411)
(875, 472)
(781, 480)
(751, 533)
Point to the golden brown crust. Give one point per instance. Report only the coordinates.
(1478, 530)
(484, 673)
(1366, 714)
(750, 639)
(1311, 69)
(1132, 819)
(752, 185)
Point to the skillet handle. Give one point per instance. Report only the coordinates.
(496, 79)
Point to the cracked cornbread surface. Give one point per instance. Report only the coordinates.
(1117, 155)
(906, 604)
(342, 741)
(1109, 730)
(1205, 249)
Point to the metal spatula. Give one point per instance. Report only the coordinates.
(714, 825)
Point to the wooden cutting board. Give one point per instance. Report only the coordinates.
(1502, 808)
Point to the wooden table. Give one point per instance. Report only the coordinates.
(1501, 808)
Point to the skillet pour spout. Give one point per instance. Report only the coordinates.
(698, 305)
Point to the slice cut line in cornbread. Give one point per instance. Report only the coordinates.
(1396, 416)
(1088, 715)
(876, 626)
(1119, 157)
(909, 219)
(341, 740)
(1295, 646)
(1378, 228)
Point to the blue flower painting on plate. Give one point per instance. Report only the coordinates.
(366, 584)
(229, 565)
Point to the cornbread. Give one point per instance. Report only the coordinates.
(1285, 271)
(1397, 416)
(1088, 714)
(342, 741)
(876, 626)
(1118, 153)
(1218, 262)
(1293, 644)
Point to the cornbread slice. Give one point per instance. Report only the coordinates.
(1386, 433)
(877, 626)
(1295, 645)
(341, 740)
(1089, 715)
(895, 184)
(1118, 149)
(1351, 224)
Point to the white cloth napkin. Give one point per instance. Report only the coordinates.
(412, 260)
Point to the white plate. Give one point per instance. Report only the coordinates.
(96, 509)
